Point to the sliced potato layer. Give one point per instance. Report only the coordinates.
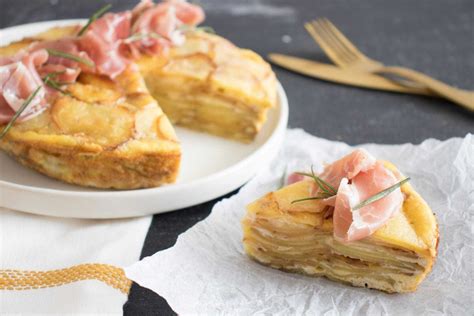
(107, 125)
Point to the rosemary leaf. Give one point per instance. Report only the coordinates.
(18, 113)
(81, 60)
(310, 198)
(52, 74)
(323, 185)
(316, 179)
(381, 194)
(326, 187)
(54, 84)
(94, 17)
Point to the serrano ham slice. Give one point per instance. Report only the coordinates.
(160, 24)
(351, 224)
(18, 80)
(68, 70)
(103, 42)
(357, 177)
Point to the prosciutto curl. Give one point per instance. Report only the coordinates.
(22, 74)
(357, 177)
(103, 43)
(159, 24)
(115, 39)
(346, 167)
(106, 43)
(18, 80)
(351, 224)
(67, 70)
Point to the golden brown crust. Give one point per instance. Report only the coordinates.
(104, 170)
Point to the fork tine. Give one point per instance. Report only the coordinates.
(344, 55)
(343, 39)
(323, 43)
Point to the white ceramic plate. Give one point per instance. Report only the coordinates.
(210, 167)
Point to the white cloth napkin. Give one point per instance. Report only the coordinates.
(32, 242)
(207, 271)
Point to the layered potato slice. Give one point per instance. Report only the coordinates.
(395, 259)
(210, 85)
(102, 133)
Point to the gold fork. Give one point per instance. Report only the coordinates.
(344, 54)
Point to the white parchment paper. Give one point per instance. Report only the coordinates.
(207, 271)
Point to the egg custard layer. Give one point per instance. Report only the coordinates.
(295, 238)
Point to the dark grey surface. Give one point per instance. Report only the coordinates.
(436, 37)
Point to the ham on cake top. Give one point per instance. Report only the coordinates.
(107, 47)
(349, 181)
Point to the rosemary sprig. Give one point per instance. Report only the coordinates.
(48, 78)
(323, 185)
(52, 74)
(380, 195)
(18, 113)
(81, 60)
(310, 198)
(94, 17)
(328, 190)
(54, 84)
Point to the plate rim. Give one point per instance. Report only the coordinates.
(280, 127)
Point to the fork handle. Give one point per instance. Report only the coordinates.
(461, 97)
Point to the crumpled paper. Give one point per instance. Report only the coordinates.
(207, 271)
